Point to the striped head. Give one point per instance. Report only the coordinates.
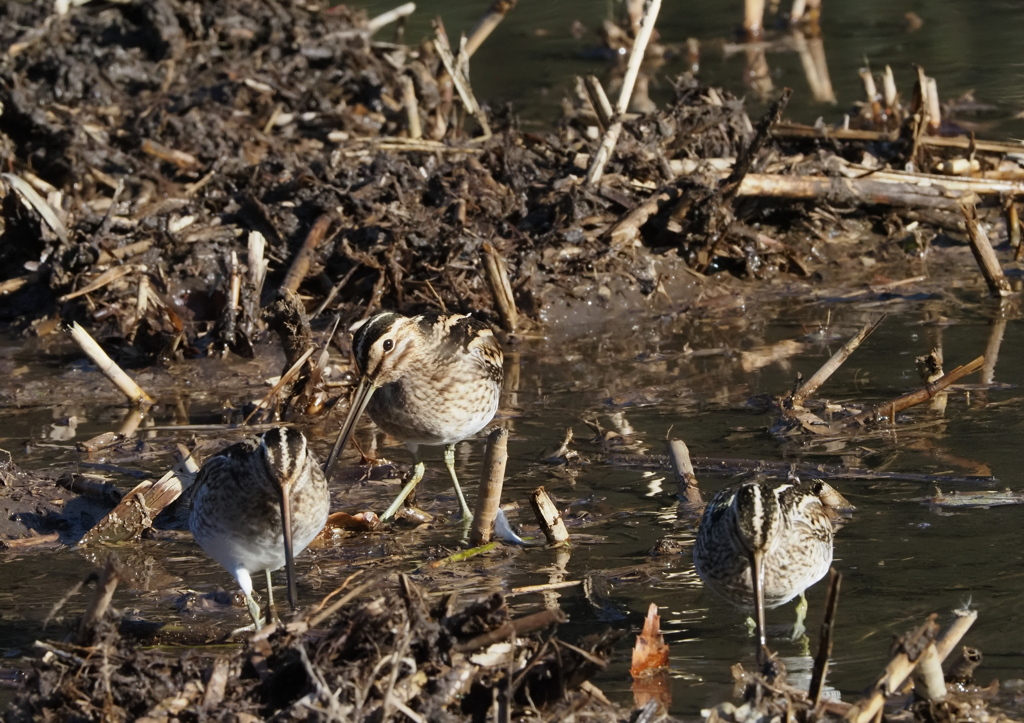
(389, 346)
(764, 513)
(433, 370)
(285, 453)
(758, 516)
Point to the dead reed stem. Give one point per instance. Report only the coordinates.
(458, 77)
(891, 409)
(599, 101)
(492, 478)
(827, 369)
(412, 108)
(951, 638)
(898, 669)
(124, 383)
(548, 517)
(820, 672)
(386, 18)
(686, 480)
(495, 14)
(501, 288)
(300, 266)
(984, 254)
(106, 583)
(636, 57)
(929, 683)
(901, 666)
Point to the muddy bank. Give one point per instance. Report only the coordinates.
(146, 144)
(146, 141)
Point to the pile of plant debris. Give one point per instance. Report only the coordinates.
(382, 651)
(161, 156)
(144, 141)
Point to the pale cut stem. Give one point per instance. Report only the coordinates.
(495, 14)
(417, 475)
(125, 384)
(636, 57)
(384, 19)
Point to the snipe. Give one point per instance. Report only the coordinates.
(432, 379)
(761, 544)
(256, 505)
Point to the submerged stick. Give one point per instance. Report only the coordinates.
(125, 384)
(890, 409)
(827, 369)
(106, 583)
(995, 341)
(820, 672)
(463, 555)
(488, 498)
(984, 254)
(636, 58)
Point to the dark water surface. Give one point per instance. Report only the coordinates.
(900, 559)
(532, 59)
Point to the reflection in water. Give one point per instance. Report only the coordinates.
(637, 379)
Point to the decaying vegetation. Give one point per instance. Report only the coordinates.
(183, 178)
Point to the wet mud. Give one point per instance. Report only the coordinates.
(210, 189)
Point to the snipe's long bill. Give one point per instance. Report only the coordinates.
(432, 379)
(761, 544)
(258, 504)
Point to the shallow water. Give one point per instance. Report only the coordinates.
(532, 59)
(664, 373)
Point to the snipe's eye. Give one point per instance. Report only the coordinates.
(388, 345)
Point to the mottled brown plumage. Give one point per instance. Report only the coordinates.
(431, 379)
(257, 504)
(761, 544)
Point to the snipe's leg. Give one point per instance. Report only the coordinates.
(254, 611)
(245, 582)
(449, 462)
(271, 609)
(417, 475)
(799, 629)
